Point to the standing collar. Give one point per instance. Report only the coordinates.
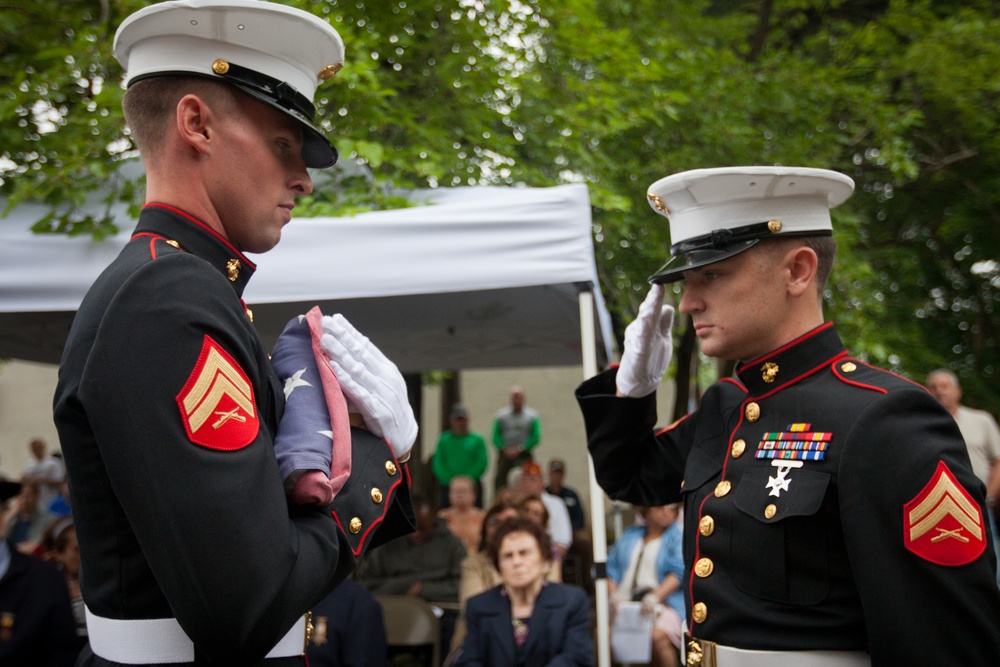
(792, 361)
(197, 238)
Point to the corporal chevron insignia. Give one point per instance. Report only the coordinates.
(943, 524)
(217, 403)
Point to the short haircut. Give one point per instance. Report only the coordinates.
(824, 247)
(150, 104)
(519, 525)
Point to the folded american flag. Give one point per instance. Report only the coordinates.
(313, 443)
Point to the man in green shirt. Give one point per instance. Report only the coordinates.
(459, 452)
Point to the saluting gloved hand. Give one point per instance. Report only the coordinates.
(372, 384)
(648, 347)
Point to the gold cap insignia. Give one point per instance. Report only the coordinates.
(220, 66)
(769, 372)
(774, 225)
(658, 203)
(233, 269)
(327, 72)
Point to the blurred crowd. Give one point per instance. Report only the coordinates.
(530, 549)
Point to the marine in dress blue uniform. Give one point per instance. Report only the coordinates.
(830, 506)
(167, 404)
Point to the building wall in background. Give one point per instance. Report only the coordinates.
(26, 391)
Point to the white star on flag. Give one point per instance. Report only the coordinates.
(295, 381)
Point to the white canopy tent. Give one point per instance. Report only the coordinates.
(475, 278)
(469, 278)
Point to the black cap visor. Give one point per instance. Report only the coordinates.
(317, 151)
(674, 269)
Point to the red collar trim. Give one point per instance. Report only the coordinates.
(790, 344)
(205, 227)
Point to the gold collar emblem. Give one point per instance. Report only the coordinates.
(233, 269)
(769, 372)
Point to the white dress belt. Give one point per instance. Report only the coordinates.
(161, 640)
(710, 654)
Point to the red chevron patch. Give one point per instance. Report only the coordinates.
(217, 402)
(943, 524)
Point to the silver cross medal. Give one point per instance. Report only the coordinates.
(781, 482)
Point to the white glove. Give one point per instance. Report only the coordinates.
(649, 602)
(648, 347)
(373, 385)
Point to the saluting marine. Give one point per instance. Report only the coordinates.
(831, 514)
(168, 406)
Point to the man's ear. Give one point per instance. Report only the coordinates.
(194, 119)
(801, 264)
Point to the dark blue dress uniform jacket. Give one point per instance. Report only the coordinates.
(815, 558)
(171, 528)
(558, 636)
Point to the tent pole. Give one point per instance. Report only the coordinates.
(588, 341)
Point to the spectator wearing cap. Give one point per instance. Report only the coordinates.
(517, 430)
(557, 472)
(168, 405)
(526, 480)
(36, 619)
(832, 517)
(580, 555)
(459, 453)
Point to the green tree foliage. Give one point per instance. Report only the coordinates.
(902, 95)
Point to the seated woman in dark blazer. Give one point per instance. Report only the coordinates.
(526, 621)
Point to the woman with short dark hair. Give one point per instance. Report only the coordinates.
(526, 621)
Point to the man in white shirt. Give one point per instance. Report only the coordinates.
(981, 434)
(527, 480)
(47, 472)
(979, 428)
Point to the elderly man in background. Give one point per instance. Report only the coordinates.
(982, 438)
